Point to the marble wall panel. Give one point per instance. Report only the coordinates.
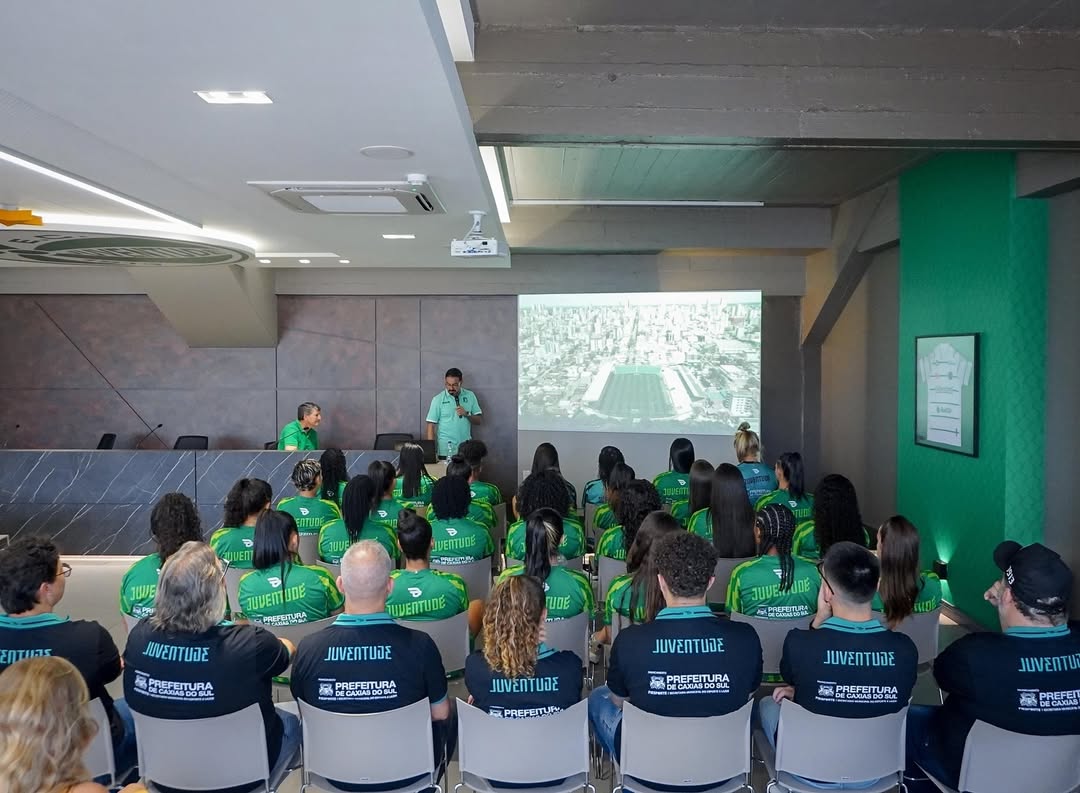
(83, 477)
(82, 528)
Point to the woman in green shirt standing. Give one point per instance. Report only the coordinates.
(280, 590)
(234, 542)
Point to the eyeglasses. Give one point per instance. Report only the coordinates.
(821, 572)
(65, 569)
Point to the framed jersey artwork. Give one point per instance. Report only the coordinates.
(947, 393)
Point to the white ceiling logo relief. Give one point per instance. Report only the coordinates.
(98, 248)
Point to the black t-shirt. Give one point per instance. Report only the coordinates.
(367, 663)
(198, 676)
(1026, 680)
(554, 686)
(687, 662)
(850, 670)
(87, 645)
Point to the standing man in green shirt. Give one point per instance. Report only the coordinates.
(300, 435)
(452, 414)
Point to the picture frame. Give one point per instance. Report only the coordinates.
(947, 374)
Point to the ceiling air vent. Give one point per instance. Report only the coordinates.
(411, 197)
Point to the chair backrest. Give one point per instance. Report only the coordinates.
(91, 592)
(923, 629)
(590, 519)
(852, 750)
(491, 748)
(1050, 763)
(308, 547)
(499, 532)
(297, 633)
(477, 575)
(682, 751)
(130, 622)
(771, 634)
(330, 567)
(609, 569)
(721, 576)
(616, 625)
(385, 441)
(451, 636)
(108, 441)
(570, 634)
(167, 746)
(270, 446)
(232, 588)
(366, 748)
(192, 442)
(98, 756)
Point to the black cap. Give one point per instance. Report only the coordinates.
(1034, 572)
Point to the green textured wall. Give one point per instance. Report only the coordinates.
(973, 260)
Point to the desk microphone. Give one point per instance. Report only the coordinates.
(147, 435)
(6, 440)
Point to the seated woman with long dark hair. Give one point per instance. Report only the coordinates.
(791, 487)
(235, 540)
(605, 516)
(728, 521)
(701, 476)
(568, 591)
(173, 521)
(479, 510)
(835, 518)
(414, 483)
(546, 458)
(457, 538)
(356, 523)
(674, 484)
(385, 508)
(280, 590)
(540, 490)
(335, 474)
(594, 491)
(903, 589)
(636, 500)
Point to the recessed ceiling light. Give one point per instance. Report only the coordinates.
(235, 97)
(264, 261)
(494, 175)
(342, 261)
(304, 261)
(386, 152)
(399, 236)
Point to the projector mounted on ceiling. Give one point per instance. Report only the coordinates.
(413, 196)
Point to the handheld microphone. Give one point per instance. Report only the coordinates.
(457, 399)
(147, 435)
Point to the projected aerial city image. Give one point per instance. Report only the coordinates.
(665, 362)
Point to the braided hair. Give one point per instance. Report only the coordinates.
(777, 525)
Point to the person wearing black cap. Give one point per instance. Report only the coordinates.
(1025, 679)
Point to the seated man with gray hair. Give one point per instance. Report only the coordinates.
(186, 662)
(364, 645)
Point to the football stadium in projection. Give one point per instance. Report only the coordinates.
(664, 362)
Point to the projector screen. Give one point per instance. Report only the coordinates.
(666, 362)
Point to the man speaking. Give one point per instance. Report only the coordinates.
(300, 435)
(452, 414)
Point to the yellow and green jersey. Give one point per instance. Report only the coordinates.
(305, 594)
(571, 547)
(754, 589)
(460, 541)
(672, 486)
(234, 545)
(804, 543)
(417, 501)
(700, 523)
(334, 539)
(604, 518)
(568, 592)
(802, 508)
(138, 588)
(612, 544)
(292, 434)
(482, 513)
(680, 510)
(426, 595)
(620, 600)
(309, 512)
(486, 492)
(928, 599)
(386, 514)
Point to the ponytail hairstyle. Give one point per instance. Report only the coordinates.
(246, 497)
(791, 466)
(681, 455)
(901, 580)
(413, 534)
(457, 466)
(747, 444)
(701, 476)
(273, 536)
(644, 586)
(621, 475)
(731, 513)
(636, 500)
(382, 476)
(356, 505)
(836, 514)
(411, 469)
(777, 525)
(334, 472)
(609, 455)
(306, 475)
(543, 535)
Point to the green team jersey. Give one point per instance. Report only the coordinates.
(680, 510)
(928, 599)
(700, 523)
(341, 492)
(486, 492)
(138, 588)
(426, 595)
(803, 508)
(415, 502)
(672, 486)
(619, 599)
(386, 514)
(568, 592)
(804, 543)
(482, 513)
(612, 543)
(334, 539)
(292, 434)
(235, 545)
(460, 541)
(571, 547)
(306, 594)
(310, 512)
(604, 517)
(754, 589)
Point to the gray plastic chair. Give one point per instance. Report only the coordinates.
(490, 748)
(308, 548)
(366, 749)
(590, 520)
(232, 588)
(168, 750)
(923, 629)
(98, 757)
(992, 764)
(130, 622)
(722, 575)
(330, 567)
(451, 636)
(683, 752)
(608, 569)
(771, 634)
(477, 575)
(498, 534)
(570, 634)
(853, 751)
